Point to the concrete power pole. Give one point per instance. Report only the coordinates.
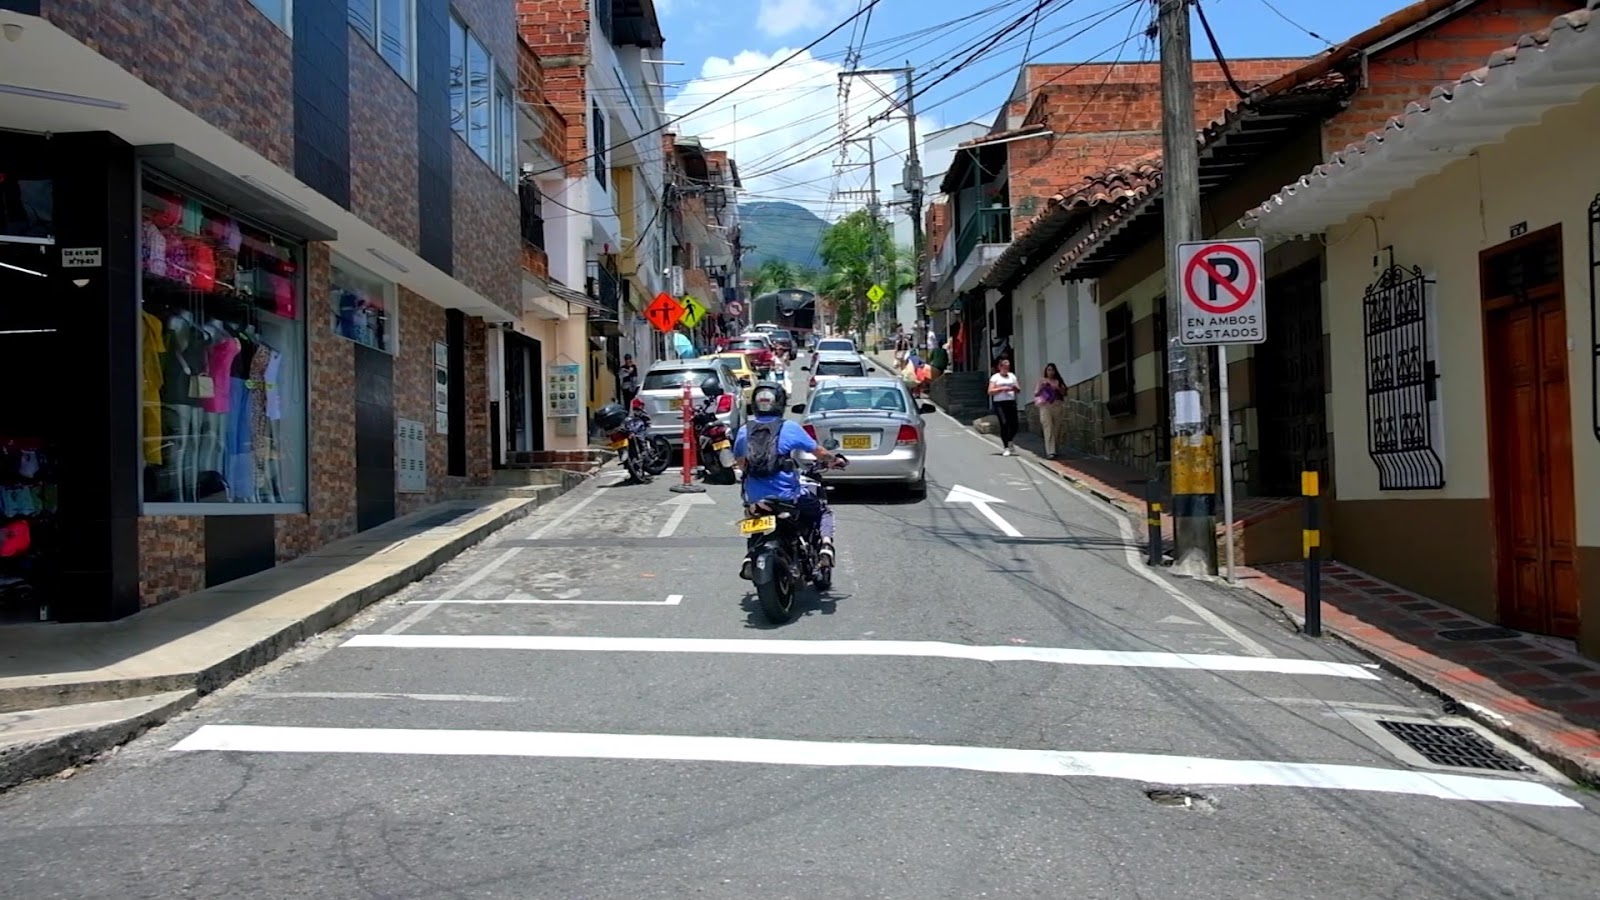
(875, 266)
(911, 176)
(1188, 370)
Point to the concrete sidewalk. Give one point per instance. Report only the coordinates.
(1531, 690)
(71, 691)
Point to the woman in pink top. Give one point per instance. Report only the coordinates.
(219, 365)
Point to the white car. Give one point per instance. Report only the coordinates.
(834, 345)
(831, 366)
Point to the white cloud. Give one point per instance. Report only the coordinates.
(791, 116)
(780, 17)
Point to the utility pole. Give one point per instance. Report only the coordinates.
(1188, 370)
(911, 176)
(875, 267)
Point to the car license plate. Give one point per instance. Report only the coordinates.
(758, 525)
(720, 445)
(856, 442)
(619, 444)
(675, 403)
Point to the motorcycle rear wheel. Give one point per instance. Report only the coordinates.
(776, 597)
(660, 454)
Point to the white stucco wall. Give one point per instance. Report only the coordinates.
(1542, 175)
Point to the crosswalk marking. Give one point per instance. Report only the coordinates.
(933, 649)
(1147, 768)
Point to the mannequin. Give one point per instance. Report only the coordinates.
(221, 349)
(181, 412)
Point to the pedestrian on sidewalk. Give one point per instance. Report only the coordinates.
(1003, 388)
(1051, 398)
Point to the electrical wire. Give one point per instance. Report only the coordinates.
(606, 152)
(1216, 48)
(1280, 14)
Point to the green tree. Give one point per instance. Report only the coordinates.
(774, 275)
(858, 252)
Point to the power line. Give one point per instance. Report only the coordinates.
(1280, 14)
(602, 154)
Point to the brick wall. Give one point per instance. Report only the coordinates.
(422, 323)
(1411, 69)
(558, 31)
(222, 59)
(383, 144)
(1108, 115)
(552, 138)
(488, 232)
(330, 423)
(172, 558)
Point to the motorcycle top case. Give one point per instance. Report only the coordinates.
(611, 416)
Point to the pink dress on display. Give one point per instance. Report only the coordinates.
(219, 365)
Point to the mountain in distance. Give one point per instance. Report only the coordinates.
(778, 230)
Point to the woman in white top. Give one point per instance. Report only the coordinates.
(1003, 387)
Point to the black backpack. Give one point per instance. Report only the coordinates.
(761, 448)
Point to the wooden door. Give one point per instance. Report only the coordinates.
(1530, 422)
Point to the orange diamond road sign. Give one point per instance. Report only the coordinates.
(664, 312)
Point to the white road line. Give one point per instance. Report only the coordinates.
(981, 502)
(449, 595)
(1145, 768)
(672, 600)
(382, 695)
(1135, 562)
(1131, 555)
(680, 504)
(930, 649)
(571, 511)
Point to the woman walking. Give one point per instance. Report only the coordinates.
(1051, 398)
(1003, 387)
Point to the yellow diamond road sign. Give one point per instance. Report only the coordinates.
(693, 312)
(875, 293)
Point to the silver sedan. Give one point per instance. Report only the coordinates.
(879, 428)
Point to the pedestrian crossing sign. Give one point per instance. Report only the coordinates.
(693, 312)
(876, 293)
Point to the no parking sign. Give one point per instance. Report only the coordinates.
(1224, 296)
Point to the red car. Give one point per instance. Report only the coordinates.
(755, 346)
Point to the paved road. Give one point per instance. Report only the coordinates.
(588, 706)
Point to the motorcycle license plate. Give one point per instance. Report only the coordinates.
(619, 443)
(758, 525)
(720, 445)
(856, 442)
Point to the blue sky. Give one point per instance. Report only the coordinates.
(784, 128)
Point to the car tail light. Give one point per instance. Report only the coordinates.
(908, 436)
(812, 382)
(724, 404)
(638, 403)
(811, 431)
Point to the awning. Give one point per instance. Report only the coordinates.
(1546, 69)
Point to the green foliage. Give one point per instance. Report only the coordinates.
(857, 253)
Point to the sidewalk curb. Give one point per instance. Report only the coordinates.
(1581, 770)
(40, 759)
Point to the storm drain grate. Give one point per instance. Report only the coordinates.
(1453, 745)
(1487, 633)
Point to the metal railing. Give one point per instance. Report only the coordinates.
(986, 226)
(603, 286)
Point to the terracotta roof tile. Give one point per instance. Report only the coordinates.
(1577, 20)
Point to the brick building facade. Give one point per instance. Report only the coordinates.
(342, 218)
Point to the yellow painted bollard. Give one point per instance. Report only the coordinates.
(1311, 546)
(1152, 518)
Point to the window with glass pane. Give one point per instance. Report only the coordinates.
(506, 129)
(223, 412)
(458, 77)
(364, 18)
(276, 10)
(363, 307)
(479, 84)
(394, 33)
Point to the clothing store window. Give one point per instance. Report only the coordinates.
(223, 347)
(363, 307)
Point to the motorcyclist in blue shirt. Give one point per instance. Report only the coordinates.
(763, 451)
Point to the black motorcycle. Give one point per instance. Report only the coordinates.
(643, 454)
(784, 557)
(713, 444)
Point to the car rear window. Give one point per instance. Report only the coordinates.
(840, 368)
(677, 378)
(835, 398)
(780, 336)
(835, 345)
(750, 344)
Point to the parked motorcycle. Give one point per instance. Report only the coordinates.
(713, 443)
(784, 556)
(640, 452)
